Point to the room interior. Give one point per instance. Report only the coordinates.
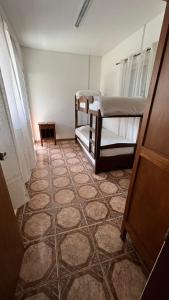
(84, 151)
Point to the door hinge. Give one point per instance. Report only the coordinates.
(3, 155)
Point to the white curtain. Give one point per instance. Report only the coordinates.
(11, 68)
(134, 74)
(135, 79)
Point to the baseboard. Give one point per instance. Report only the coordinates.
(67, 139)
(57, 140)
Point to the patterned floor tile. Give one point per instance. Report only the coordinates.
(57, 163)
(65, 196)
(107, 240)
(39, 264)
(124, 183)
(73, 161)
(97, 211)
(76, 168)
(118, 174)
(62, 182)
(48, 291)
(85, 285)
(56, 156)
(81, 178)
(42, 157)
(118, 203)
(87, 192)
(76, 251)
(38, 201)
(88, 166)
(37, 225)
(39, 185)
(108, 187)
(59, 171)
(126, 277)
(38, 174)
(55, 151)
(42, 165)
(71, 231)
(99, 177)
(68, 218)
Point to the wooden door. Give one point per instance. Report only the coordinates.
(11, 248)
(157, 285)
(147, 210)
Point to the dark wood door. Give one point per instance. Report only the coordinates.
(11, 248)
(157, 284)
(147, 211)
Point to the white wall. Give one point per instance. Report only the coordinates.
(52, 80)
(110, 73)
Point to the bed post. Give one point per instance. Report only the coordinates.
(138, 133)
(98, 138)
(76, 117)
(90, 133)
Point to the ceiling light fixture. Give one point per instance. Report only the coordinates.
(82, 12)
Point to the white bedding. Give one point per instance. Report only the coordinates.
(108, 137)
(112, 106)
(87, 93)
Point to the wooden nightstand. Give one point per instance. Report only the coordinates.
(47, 131)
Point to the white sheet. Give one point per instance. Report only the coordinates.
(87, 93)
(107, 138)
(112, 106)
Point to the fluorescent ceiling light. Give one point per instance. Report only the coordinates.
(82, 12)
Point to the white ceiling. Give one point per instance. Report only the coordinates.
(49, 24)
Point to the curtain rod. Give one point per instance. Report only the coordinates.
(135, 55)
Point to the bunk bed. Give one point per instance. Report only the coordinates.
(106, 149)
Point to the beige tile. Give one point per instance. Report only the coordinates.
(64, 196)
(38, 225)
(77, 168)
(118, 203)
(40, 173)
(39, 185)
(57, 162)
(76, 251)
(61, 181)
(39, 201)
(87, 191)
(108, 187)
(124, 183)
(59, 171)
(81, 178)
(38, 262)
(68, 218)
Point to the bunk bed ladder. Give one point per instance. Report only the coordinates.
(90, 133)
(76, 117)
(98, 136)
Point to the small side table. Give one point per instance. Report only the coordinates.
(47, 131)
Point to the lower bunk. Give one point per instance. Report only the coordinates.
(115, 152)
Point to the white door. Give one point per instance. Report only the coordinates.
(10, 166)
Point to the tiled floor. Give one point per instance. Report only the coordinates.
(71, 231)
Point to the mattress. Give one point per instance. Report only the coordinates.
(87, 93)
(108, 137)
(113, 106)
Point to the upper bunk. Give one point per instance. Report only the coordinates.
(91, 102)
